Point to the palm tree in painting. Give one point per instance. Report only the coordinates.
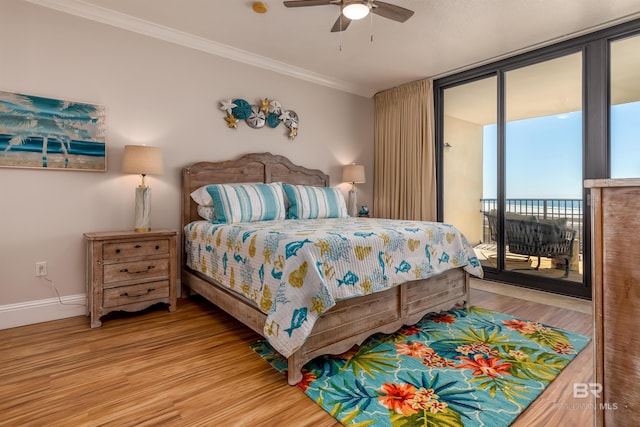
(28, 118)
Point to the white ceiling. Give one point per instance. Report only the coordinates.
(443, 36)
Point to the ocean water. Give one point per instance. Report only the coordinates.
(82, 155)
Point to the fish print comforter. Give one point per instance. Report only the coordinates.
(295, 270)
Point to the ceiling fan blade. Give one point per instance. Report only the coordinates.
(391, 11)
(302, 3)
(341, 24)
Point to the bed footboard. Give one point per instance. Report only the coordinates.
(352, 321)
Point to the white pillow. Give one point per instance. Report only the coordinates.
(202, 197)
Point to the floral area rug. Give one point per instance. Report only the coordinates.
(456, 368)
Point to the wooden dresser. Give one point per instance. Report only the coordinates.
(615, 212)
(130, 271)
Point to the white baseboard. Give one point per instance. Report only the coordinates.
(45, 310)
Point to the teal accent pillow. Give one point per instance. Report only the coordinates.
(247, 202)
(308, 202)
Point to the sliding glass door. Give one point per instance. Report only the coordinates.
(469, 123)
(543, 169)
(516, 139)
(514, 187)
(512, 171)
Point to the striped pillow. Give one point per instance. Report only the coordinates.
(247, 202)
(308, 202)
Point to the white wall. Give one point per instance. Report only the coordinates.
(463, 177)
(155, 93)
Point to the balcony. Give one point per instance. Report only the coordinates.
(568, 211)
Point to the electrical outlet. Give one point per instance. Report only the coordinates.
(41, 268)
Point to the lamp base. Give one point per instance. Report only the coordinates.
(353, 203)
(143, 209)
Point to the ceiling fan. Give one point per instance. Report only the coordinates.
(357, 9)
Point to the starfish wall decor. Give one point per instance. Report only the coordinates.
(268, 112)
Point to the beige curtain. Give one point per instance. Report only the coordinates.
(405, 180)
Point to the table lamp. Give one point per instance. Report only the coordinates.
(143, 160)
(355, 175)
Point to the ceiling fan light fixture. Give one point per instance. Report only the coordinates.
(355, 10)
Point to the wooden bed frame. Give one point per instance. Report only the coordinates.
(349, 322)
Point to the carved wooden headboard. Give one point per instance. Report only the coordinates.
(255, 167)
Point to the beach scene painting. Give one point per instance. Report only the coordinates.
(46, 133)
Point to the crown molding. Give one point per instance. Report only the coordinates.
(126, 22)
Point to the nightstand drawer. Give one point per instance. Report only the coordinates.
(124, 295)
(136, 270)
(135, 249)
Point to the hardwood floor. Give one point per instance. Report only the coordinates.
(194, 367)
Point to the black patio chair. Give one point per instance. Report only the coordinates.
(533, 237)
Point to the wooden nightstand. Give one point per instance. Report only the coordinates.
(130, 271)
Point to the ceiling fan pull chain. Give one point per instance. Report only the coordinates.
(340, 18)
(371, 27)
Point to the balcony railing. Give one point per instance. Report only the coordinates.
(571, 209)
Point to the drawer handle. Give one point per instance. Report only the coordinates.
(126, 270)
(137, 246)
(126, 294)
(157, 247)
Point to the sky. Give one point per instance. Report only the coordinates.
(544, 154)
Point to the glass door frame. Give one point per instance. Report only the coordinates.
(596, 117)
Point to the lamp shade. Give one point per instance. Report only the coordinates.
(355, 9)
(353, 173)
(142, 159)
